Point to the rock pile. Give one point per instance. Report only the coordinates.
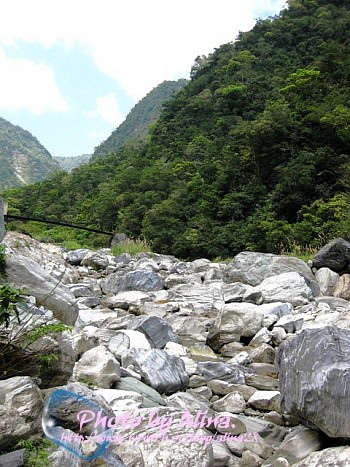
(257, 350)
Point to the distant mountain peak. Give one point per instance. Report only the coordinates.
(23, 159)
(135, 127)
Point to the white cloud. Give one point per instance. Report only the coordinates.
(107, 108)
(27, 85)
(138, 43)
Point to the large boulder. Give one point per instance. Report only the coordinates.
(99, 366)
(315, 379)
(48, 256)
(29, 276)
(157, 331)
(335, 457)
(335, 255)
(252, 268)
(163, 372)
(288, 287)
(21, 404)
(143, 280)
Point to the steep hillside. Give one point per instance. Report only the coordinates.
(254, 153)
(69, 163)
(136, 125)
(23, 159)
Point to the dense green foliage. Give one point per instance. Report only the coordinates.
(69, 163)
(252, 154)
(22, 158)
(135, 127)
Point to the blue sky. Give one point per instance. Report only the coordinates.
(71, 70)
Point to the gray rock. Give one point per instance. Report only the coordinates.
(223, 387)
(123, 340)
(252, 268)
(236, 292)
(30, 277)
(145, 281)
(81, 290)
(327, 281)
(159, 370)
(263, 354)
(264, 383)
(291, 323)
(315, 372)
(334, 457)
(296, 446)
(75, 257)
(232, 322)
(98, 365)
(342, 289)
(21, 394)
(151, 398)
(288, 287)
(124, 258)
(157, 331)
(163, 453)
(279, 309)
(126, 300)
(186, 401)
(217, 370)
(335, 255)
(223, 456)
(12, 427)
(120, 400)
(265, 400)
(197, 296)
(94, 317)
(232, 402)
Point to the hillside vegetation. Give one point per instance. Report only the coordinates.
(135, 127)
(23, 159)
(252, 154)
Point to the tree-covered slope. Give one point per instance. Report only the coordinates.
(136, 125)
(23, 159)
(252, 154)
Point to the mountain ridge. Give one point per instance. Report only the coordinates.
(135, 127)
(23, 158)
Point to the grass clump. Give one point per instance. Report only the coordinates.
(131, 246)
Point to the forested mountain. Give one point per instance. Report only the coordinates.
(252, 154)
(136, 125)
(23, 159)
(69, 163)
